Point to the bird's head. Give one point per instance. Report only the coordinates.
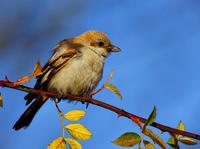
(98, 41)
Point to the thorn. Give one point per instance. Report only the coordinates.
(119, 115)
(6, 78)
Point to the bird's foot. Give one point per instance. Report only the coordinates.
(58, 100)
(87, 99)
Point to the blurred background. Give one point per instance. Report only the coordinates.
(158, 65)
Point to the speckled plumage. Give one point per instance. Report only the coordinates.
(75, 68)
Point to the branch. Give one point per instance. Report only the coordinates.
(61, 117)
(120, 112)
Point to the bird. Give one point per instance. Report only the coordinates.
(75, 68)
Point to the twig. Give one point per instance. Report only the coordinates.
(103, 86)
(121, 112)
(61, 118)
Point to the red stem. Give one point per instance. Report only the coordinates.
(120, 112)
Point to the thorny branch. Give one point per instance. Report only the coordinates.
(120, 112)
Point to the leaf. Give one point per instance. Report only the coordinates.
(151, 118)
(173, 142)
(127, 139)
(73, 143)
(22, 80)
(58, 143)
(37, 70)
(78, 131)
(114, 90)
(180, 127)
(148, 145)
(187, 141)
(136, 120)
(155, 138)
(139, 147)
(74, 115)
(1, 101)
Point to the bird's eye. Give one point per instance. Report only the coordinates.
(100, 43)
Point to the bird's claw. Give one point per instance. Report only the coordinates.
(58, 100)
(87, 98)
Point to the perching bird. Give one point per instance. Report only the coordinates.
(75, 68)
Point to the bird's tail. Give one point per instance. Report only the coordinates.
(29, 114)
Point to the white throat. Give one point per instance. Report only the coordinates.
(101, 52)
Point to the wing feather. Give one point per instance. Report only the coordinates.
(63, 52)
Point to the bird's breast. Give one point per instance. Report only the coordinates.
(78, 76)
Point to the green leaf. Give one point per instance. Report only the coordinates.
(151, 118)
(74, 115)
(73, 143)
(1, 101)
(58, 143)
(78, 131)
(173, 143)
(187, 141)
(148, 145)
(127, 139)
(114, 90)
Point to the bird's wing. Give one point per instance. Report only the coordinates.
(63, 52)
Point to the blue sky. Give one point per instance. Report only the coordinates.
(158, 65)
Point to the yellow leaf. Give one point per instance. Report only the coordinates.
(180, 127)
(139, 147)
(1, 101)
(127, 139)
(114, 90)
(78, 131)
(187, 141)
(173, 142)
(58, 143)
(73, 143)
(155, 138)
(74, 115)
(151, 118)
(37, 70)
(148, 145)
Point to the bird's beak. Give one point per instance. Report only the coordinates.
(113, 48)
